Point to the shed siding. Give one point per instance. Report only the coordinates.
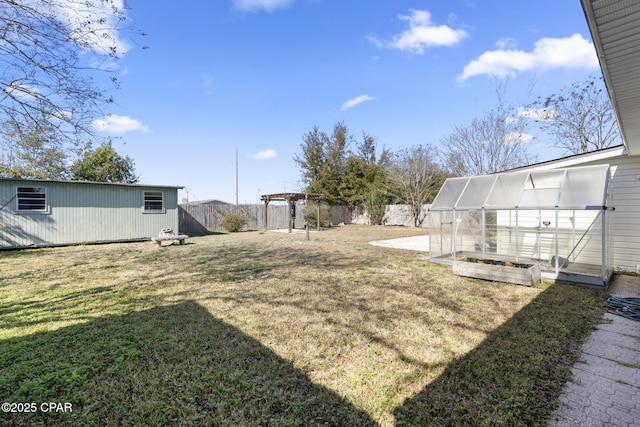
(83, 213)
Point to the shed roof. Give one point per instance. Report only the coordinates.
(63, 181)
(577, 188)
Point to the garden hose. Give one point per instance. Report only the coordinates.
(625, 307)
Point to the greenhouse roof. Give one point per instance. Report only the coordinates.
(577, 188)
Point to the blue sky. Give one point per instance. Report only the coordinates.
(259, 74)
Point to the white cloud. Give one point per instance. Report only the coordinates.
(515, 138)
(94, 24)
(62, 115)
(265, 154)
(546, 114)
(268, 5)
(101, 64)
(548, 53)
(120, 124)
(21, 91)
(506, 43)
(355, 101)
(422, 34)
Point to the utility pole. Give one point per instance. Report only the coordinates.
(236, 175)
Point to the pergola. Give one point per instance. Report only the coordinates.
(291, 199)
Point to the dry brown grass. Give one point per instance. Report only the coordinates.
(374, 326)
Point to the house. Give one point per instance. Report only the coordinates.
(615, 30)
(209, 202)
(37, 213)
(616, 36)
(537, 212)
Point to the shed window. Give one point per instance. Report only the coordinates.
(32, 199)
(153, 201)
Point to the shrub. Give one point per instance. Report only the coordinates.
(310, 213)
(233, 222)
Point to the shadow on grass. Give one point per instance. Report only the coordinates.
(173, 365)
(517, 374)
(35, 311)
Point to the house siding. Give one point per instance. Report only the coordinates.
(624, 221)
(579, 235)
(83, 213)
(623, 224)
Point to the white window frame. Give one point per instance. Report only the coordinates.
(25, 197)
(146, 208)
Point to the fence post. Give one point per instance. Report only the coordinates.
(266, 214)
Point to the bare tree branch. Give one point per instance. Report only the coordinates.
(53, 55)
(489, 144)
(580, 117)
(416, 176)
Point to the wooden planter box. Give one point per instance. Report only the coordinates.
(520, 273)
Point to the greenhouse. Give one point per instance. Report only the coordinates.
(552, 218)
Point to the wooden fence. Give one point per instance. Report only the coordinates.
(206, 218)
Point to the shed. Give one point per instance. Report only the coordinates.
(37, 213)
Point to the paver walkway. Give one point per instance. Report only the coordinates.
(605, 390)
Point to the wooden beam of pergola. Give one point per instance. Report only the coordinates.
(291, 199)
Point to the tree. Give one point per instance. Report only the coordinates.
(493, 142)
(323, 161)
(104, 164)
(312, 160)
(580, 117)
(489, 144)
(355, 179)
(51, 53)
(29, 153)
(364, 184)
(336, 149)
(416, 177)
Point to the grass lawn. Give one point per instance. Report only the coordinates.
(270, 329)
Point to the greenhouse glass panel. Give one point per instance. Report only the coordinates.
(538, 198)
(507, 190)
(476, 192)
(542, 190)
(545, 179)
(440, 240)
(554, 220)
(468, 231)
(584, 188)
(449, 193)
